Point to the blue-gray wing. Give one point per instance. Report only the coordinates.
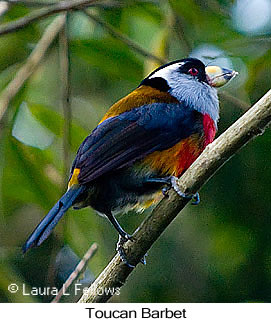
(122, 140)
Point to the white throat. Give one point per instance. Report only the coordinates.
(197, 95)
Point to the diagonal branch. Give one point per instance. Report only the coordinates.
(126, 40)
(235, 101)
(43, 13)
(31, 3)
(64, 62)
(250, 125)
(4, 7)
(30, 65)
(80, 268)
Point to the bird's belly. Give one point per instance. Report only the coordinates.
(121, 190)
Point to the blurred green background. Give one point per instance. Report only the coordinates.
(219, 251)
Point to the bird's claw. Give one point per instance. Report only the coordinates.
(165, 190)
(194, 197)
(121, 252)
(143, 260)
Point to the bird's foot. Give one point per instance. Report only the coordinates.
(143, 260)
(166, 189)
(122, 254)
(194, 197)
(120, 250)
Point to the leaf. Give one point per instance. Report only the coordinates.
(28, 130)
(24, 178)
(54, 121)
(113, 59)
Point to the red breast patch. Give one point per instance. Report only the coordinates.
(209, 129)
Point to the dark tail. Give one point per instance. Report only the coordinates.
(46, 226)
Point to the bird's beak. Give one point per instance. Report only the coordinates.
(218, 76)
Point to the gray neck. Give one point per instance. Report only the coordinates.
(200, 96)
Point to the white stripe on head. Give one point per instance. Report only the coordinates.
(167, 70)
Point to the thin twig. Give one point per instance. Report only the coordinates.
(4, 6)
(31, 63)
(235, 101)
(66, 104)
(116, 34)
(44, 12)
(218, 9)
(105, 4)
(250, 125)
(77, 271)
(179, 30)
(32, 3)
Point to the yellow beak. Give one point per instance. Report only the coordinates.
(218, 76)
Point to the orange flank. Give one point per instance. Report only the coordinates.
(172, 162)
(140, 96)
(175, 160)
(74, 178)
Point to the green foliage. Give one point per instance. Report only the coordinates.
(89, 50)
(219, 251)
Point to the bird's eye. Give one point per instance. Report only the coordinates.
(193, 71)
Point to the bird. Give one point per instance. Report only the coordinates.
(142, 145)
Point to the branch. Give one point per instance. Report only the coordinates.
(44, 12)
(31, 63)
(77, 271)
(179, 30)
(31, 3)
(235, 101)
(66, 93)
(250, 125)
(4, 6)
(105, 4)
(116, 34)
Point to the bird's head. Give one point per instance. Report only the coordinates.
(173, 74)
(191, 82)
